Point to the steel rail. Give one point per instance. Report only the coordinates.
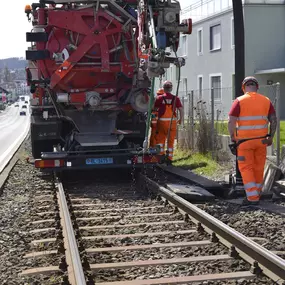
(75, 270)
(271, 265)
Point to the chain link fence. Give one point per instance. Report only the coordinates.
(205, 124)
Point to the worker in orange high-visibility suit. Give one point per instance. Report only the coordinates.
(167, 105)
(154, 114)
(248, 118)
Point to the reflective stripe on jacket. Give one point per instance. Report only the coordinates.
(253, 118)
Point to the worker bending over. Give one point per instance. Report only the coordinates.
(167, 105)
(154, 113)
(248, 118)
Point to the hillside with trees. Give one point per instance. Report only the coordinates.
(13, 63)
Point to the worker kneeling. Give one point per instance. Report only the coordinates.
(153, 125)
(248, 119)
(167, 119)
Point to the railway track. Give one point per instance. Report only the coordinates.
(113, 234)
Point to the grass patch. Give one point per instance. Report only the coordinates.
(222, 129)
(198, 163)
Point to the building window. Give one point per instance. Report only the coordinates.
(216, 86)
(233, 87)
(200, 41)
(200, 86)
(183, 45)
(233, 33)
(185, 88)
(215, 37)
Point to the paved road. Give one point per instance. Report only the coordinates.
(12, 127)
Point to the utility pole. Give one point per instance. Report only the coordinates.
(239, 46)
(239, 63)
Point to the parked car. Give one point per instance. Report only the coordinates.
(26, 102)
(24, 107)
(16, 105)
(23, 113)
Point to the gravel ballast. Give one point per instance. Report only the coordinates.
(101, 195)
(21, 202)
(251, 223)
(17, 211)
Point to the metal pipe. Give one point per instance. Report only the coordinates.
(151, 27)
(192, 120)
(149, 115)
(278, 123)
(212, 123)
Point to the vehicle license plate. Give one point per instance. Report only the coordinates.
(100, 160)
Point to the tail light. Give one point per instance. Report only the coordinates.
(50, 163)
(145, 159)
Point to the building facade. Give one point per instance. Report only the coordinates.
(210, 51)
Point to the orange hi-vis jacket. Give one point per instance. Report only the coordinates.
(253, 118)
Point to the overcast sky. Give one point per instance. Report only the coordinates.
(14, 25)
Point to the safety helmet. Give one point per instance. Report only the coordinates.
(160, 91)
(247, 80)
(167, 85)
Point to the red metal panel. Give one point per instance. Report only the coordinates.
(96, 35)
(78, 97)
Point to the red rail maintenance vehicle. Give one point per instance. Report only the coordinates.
(91, 69)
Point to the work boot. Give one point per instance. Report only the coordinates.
(245, 202)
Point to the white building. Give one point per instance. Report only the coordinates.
(210, 51)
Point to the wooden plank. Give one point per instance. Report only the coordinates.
(158, 262)
(42, 230)
(43, 221)
(212, 186)
(149, 246)
(40, 270)
(40, 253)
(117, 226)
(140, 235)
(45, 213)
(124, 216)
(272, 174)
(47, 240)
(190, 192)
(119, 209)
(185, 279)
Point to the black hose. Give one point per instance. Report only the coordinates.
(174, 106)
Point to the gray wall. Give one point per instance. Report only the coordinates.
(265, 45)
(264, 37)
(211, 62)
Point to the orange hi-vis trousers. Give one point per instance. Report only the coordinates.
(153, 125)
(162, 128)
(251, 156)
(163, 125)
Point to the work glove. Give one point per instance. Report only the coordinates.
(267, 141)
(233, 148)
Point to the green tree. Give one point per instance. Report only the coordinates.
(7, 74)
